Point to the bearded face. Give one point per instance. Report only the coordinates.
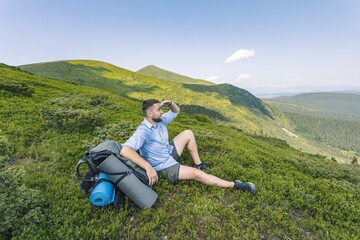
(157, 119)
(157, 112)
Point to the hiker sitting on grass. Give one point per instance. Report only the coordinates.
(158, 155)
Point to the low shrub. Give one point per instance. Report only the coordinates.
(119, 132)
(4, 144)
(21, 207)
(15, 86)
(71, 119)
(73, 113)
(202, 118)
(99, 100)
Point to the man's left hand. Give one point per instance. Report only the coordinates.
(165, 103)
(173, 107)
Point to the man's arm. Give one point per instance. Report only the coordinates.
(129, 153)
(173, 107)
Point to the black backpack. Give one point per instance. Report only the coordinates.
(94, 157)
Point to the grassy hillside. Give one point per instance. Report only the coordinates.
(171, 76)
(338, 103)
(47, 126)
(222, 103)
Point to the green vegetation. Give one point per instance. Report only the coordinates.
(236, 96)
(72, 112)
(14, 86)
(328, 123)
(341, 134)
(300, 109)
(299, 196)
(223, 103)
(335, 103)
(170, 76)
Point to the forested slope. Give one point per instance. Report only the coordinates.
(47, 126)
(343, 134)
(319, 119)
(300, 109)
(339, 103)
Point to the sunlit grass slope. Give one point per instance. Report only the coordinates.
(222, 103)
(47, 125)
(171, 76)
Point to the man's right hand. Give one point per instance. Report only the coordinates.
(152, 175)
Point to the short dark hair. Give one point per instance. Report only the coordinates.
(147, 104)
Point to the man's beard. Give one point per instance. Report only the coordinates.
(157, 119)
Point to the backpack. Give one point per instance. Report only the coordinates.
(94, 157)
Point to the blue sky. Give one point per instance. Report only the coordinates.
(246, 43)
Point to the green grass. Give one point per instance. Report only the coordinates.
(299, 196)
(170, 76)
(222, 103)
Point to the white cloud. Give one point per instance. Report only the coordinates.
(243, 77)
(240, 54)
(213, 78)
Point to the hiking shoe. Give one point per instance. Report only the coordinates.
(201, 166)
(249, 187)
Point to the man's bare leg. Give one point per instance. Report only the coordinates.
(189, 173)
(187, 138)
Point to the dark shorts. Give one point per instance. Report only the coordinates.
(174, 153)
(172, 173)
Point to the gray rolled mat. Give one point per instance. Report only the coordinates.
(142, 195)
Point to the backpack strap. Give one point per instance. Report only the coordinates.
(96, 158)
(77, 171)
(123, 175)
(104, 180)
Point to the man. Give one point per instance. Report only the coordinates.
(152, 140)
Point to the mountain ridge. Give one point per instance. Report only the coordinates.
(341, 103)
(221, 103)
(141, 86)
(157, 72)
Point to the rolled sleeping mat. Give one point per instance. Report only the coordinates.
(123, 177)
(104, 193)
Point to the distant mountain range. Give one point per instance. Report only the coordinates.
(339, 103)
(270, 92)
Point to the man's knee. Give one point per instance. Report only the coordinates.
(198, 174)
(189, 134)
